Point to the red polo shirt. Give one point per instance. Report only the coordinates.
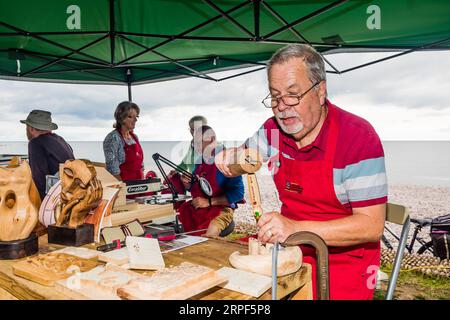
(359, 172)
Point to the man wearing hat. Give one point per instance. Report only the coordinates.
(46, 150)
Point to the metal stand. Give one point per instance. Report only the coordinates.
(312, 239)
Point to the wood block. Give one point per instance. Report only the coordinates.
(260, 261)
(249, 283)
(117, 257)
(177, 283)
(48, 268)
(19, 248)
(126, 207)
(67, 236)
(5, 295)
(100, 283)
(143, 212)
(79, 252)
(144, 253)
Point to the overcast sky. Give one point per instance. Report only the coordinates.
(406, 98)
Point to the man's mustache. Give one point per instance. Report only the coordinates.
(287, 114)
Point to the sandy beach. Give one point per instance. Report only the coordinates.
(422, 201)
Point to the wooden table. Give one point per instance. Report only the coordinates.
(213, 253)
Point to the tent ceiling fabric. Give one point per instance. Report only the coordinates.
(141, 41)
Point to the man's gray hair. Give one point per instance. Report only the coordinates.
(195, 119)
(313, 60)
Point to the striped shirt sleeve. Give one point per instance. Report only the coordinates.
(265, 140)
(362, 181)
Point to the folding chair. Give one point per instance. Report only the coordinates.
(398, 214)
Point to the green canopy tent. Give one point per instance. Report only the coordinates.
(141, 41)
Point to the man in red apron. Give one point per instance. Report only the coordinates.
(328, 168)
(213, 212)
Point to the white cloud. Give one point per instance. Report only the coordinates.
(405, 99)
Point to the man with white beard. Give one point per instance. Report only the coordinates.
(328, 167)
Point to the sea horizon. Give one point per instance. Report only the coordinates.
(409, 162)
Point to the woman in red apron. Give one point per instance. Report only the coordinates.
(351, 269)
(131, 169)
(126, 164)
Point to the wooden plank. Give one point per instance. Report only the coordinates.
(48, 268)
(117, 257)
(100, 283)
(306, 291)
(15, 288)
(5, 295)
(176, 283)
(245, 282)
(24, 289)
(144, 213)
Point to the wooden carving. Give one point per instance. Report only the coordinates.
(175, 283)
(246, 161)
(80, 192)
(47, 268)
(18, 211)
(259, 259)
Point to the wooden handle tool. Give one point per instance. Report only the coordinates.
(255, 196)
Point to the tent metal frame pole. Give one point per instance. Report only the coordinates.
(91, 70)
(170, 59)
(305, 18)
(63, 58)
(201, 25)
(149, 63)
(86, 70)
(296, 33)
(46, 55)
(55, 33)
(256, 18)
(227, 17)
(243, 61)
(241, 74)
(112, 31)
(175, 72)
(129, 81)
(105, 76)
(331, 46)
(34, 36)
(428, 46)
(186, 37)
(229, 39)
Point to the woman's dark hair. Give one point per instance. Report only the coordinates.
(207, 129)
(122, 111)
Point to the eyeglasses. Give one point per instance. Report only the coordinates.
(288, 99)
